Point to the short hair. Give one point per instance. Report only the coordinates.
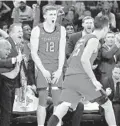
(69, 24)
(86, 18)
(100, 22)
(87, 13)
(117, 66)
(48, 7)
(25, 24)
(111, 32)
(13, 26)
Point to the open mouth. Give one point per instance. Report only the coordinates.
(89, 28)
(19, 37)
(53, 21)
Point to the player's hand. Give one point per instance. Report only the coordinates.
(108, 91)
(56, 75)
(97, 84)
(47, 75)
(94, 66)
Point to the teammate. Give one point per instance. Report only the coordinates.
(48, 42)
(80, 78)
(88, 26)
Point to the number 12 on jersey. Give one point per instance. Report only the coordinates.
(50, 47)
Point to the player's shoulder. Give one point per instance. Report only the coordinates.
(36, 28)
(62, 29)
(35, 31)
(92, 38)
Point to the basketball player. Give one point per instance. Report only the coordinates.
(80, 78)
(48, 42)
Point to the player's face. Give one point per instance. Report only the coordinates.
(110, 39)
(88, 25)
(116, 73)
(51, 16)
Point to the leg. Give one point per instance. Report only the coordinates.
(56, 97)
(60, 111)
(69, 97)
(78, 115)
(106, 104)
(5, 117)
(6, 99)
(41, 110)
(109, 113)
(116, 107)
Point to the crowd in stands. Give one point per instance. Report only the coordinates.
(18, 17)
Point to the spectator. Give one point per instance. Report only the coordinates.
(16, 33)
(108, 55)
(28, 63)
(4, 9)
(69, 30)
(79, 8)
(69, 17)
(88, 26)
(4, 26)
(8, 85)
(22, 12)
(112, 86)
(67, 5)
(85, 13)
(116, 11)
(106, 10)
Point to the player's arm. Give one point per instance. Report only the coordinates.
(91, 46)
(34, 43)
(62, 46)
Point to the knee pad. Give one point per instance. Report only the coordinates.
(62, 109)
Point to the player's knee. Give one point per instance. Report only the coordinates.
(62, 109)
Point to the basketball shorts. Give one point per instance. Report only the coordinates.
(78, 84)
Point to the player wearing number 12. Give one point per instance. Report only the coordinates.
(48, 41)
